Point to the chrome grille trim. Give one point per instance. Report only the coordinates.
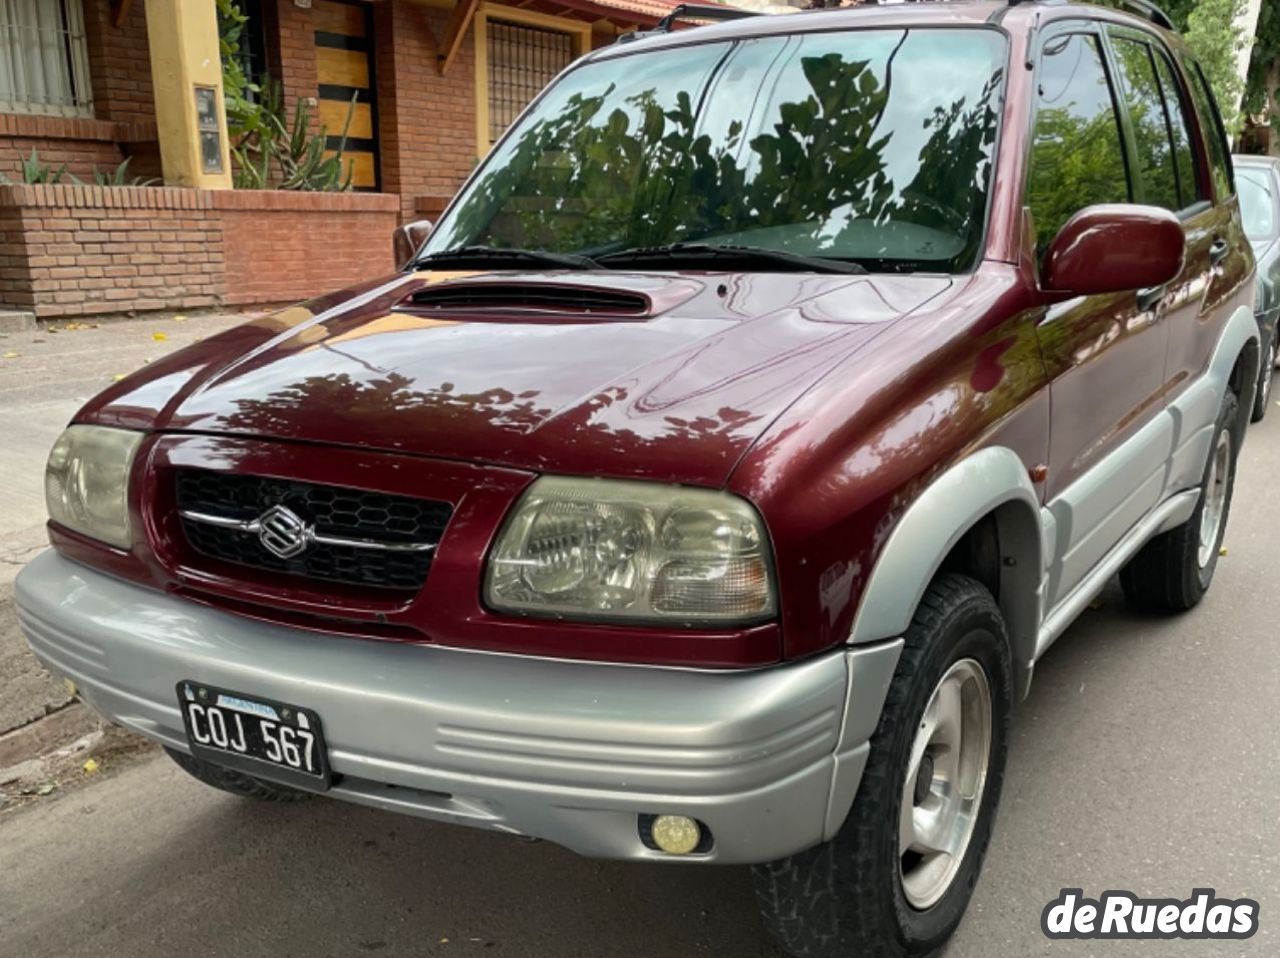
(252, 527)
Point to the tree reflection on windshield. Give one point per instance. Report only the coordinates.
(871, 145)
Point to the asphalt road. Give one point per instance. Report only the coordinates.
(1145, 759)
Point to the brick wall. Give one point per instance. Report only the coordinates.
(427, 121)
(123, 123)
(282, 246)
(119, 63)
(76, 250)
(81, 144)
(291, 52)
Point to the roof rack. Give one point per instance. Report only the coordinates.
(1143, 8)
(691, 11)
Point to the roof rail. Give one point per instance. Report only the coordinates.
(1143, 8)
(691, 11)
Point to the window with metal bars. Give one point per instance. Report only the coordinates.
(44, 67)
(522, 60)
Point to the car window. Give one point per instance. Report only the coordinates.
(1190, 191)
(1214, 134)
(1157, 176)
(1257, 206)
(1077, 159)
(872, 145)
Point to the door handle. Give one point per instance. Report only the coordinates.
(1149, 298)
(1218, 252)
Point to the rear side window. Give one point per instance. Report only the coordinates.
(1077, 157)
(1214, 133)
(1189, 190)
(1157, 174)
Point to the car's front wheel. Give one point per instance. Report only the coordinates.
(897, 877)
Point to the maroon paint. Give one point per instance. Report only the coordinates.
(1115, 248)
(830, 402)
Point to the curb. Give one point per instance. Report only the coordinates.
(46, 734)
(17, 321)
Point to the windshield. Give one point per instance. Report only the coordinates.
(1257, 206)
(872, 146)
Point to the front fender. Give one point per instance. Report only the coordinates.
(990, 482)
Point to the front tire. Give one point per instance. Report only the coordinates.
(897, 877)
(1173, 571)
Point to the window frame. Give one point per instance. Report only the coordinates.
(1050, 33)
(79, 78)
(579, 30)
(1155, 47)
(1211, 126)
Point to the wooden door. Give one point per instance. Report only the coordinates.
(344, 71)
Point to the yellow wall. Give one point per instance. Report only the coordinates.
(183, 38)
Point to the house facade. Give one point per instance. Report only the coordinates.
(89, 83)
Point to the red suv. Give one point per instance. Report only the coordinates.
(707, 486)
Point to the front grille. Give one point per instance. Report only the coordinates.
(226, 503)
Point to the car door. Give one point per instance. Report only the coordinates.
(1168, 174)
(1218, 248)
(1105, 355)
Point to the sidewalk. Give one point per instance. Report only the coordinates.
(45, 376)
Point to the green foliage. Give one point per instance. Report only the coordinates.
(1216, 41)
(239, 92)
(117, 177)
(266, 148)
(35, 171)
(290, 152)
(1209, 27)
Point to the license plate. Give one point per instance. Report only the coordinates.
(260, 737)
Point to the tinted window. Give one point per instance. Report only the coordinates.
(871, 145)
(1215, 136)
(1157, 178)
(1256, 204)
(1076, 156)
(1189, 190)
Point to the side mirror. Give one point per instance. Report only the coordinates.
(408, 239)
(1114, 248)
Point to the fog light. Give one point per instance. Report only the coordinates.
(676, 834)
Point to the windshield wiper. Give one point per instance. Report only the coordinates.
(506, 257)
(705, 253)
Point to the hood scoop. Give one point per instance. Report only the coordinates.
(550, 300)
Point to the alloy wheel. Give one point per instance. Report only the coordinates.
(1215, 497)
(946, 777)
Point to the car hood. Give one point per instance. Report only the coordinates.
(677, 393)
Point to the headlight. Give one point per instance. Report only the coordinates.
(594, 548)
(86, 482)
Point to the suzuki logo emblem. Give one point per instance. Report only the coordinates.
(282, 532)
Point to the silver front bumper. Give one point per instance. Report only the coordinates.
(571, 752)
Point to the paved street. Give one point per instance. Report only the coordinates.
(44, 378)
(1145, 759)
